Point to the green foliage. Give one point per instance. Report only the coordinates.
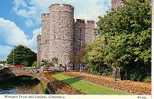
(94, 57)
(21, 55)
(86, 86)
(55, 61)
(34, 64)
(47, 63)
(44, 62)
(124, 41)
(135, 17)
(147, 79)
(2, 62)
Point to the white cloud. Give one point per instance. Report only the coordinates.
(33, 41)
(31, 10)
(4, 51)
(11, 35)
(86, 9)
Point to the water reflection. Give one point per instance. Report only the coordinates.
(35, 89)
(8, 91)
(22, 85)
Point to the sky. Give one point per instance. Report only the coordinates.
(20, 21)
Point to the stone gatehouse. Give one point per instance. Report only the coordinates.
(62, 36)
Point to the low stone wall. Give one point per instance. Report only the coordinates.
(58, 87)
(54, 86)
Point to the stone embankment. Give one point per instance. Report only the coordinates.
(6, 74)
(56, 87)
(8, 78)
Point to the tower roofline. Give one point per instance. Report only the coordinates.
(56, 4)
(91, 21)
(45, 14)
(85, 21)
(80, 20)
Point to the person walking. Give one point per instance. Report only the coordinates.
(114, 73)
(81, 67)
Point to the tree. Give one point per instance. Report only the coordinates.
(127, 40)
(94, 56)
(134, 17)
(21, 55)
(2, 62)
(34, 64)
(48, 63)
(55, 61)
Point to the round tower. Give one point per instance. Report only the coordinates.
(61, 33)
(38, 49)
(90, 31)
(44, 37)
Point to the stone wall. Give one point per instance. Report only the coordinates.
(84, 33)
(79, 38)
(63, 37)
(38, 49)
(90, 32)
(61, 33)
(44, 37)
(116, 3)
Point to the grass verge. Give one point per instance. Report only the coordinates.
(86, 86)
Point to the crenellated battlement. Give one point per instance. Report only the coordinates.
(84, 24)
(45, 16)
(62, 35)
(90, 22)
(80, 21)
(39, 37)
(64, 5)
(117, 3)
(85, 21)
(61, 8)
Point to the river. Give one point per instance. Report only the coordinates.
(24, 89)
(21, 84)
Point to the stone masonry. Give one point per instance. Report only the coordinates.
(116, 3)
(63, 36)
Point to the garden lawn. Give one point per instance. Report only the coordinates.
(86, 86)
